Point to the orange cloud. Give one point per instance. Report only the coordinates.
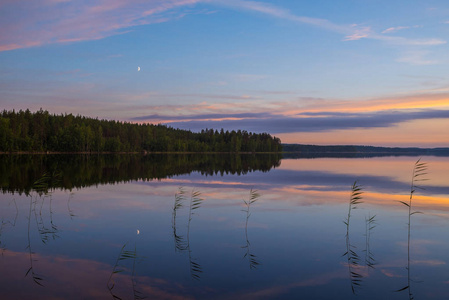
(420, 101)
(259, 103)
(419, 133)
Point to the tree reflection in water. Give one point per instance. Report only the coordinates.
(87, 170)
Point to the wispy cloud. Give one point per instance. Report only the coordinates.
(278, 12)
(359, 33)
(351, 32)
(394, 29)
(257, 106)
(44, 22)
(305, 122)
(429, 262)
(417, 57)
(203, 117)
(398, 28)
(416, 42)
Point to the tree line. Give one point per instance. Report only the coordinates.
(44, 132)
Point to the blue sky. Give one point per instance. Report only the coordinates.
(322, 72)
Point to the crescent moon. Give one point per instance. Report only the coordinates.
(138, 69)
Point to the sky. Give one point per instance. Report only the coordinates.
(364, 72)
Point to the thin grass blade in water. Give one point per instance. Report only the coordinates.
(353, 259)
(418, 175)
(354, 199)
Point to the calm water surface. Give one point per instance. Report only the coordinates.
(118, 237)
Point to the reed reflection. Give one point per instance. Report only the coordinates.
(252, 258)
(69, 209)
(5, 224)
(41, 191)
(354, 260)
(129, 204)
(195, 203)
(121, 266)
(370, 224)
(182, 245)
(179, 242)
(40, 211)
(36, 278)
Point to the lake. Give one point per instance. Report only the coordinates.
(178, 227)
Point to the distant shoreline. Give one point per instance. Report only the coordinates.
(355, 148)
(301, 150)
(304, 149)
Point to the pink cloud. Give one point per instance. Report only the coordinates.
(34, 23)
(394, 29)
(358, 33)
(278, 290)
(66, 277)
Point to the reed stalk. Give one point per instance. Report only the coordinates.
(418, 175)
(352, 256)
(354, 200)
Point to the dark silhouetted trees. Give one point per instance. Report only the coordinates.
(42, 132)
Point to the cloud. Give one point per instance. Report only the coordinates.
(394, 29)
(83, 276)
(304, 122)
(300, 114)
(195, 96)
(292, 104)
(418, 42)
(417, 58)
(351, 32)
(359, 33)
(36, 23)
(202, 117)
(277, 12)
(398, 28)
(429, 262)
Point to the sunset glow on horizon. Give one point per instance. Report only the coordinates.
(308, 72)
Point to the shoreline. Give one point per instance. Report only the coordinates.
(124, 152)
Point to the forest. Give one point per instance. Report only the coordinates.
(25, 131)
